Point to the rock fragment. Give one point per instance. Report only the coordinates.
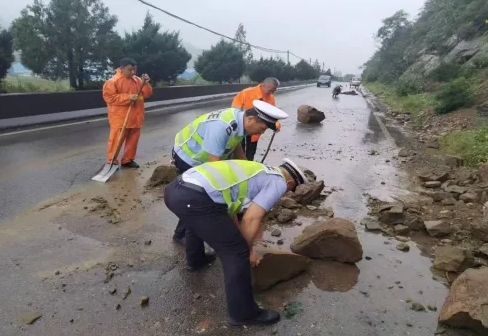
(163, 174)
(449, 258)
(438, 228)
(332, 239)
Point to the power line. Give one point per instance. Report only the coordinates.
(218, 34)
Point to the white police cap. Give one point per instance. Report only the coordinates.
(268, 112)
(295, 172)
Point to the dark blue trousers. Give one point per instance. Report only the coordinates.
(208, 221)
(181, 167)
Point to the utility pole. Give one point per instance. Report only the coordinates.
(323, 66)
(310, 60)
(288, 57)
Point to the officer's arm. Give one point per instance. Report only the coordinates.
(215, 140)
(251, 222)
(239, 153)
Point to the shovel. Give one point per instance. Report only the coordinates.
(110, 168)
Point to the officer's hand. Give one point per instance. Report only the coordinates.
(254, 259)
(133, 97)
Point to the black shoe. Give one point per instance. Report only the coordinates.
(179, 240)
(265, 317)
(209, 258)
(132, 164)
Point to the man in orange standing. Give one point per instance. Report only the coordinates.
(243, 100)
(119, 92)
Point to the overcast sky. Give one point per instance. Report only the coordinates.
(338, 33)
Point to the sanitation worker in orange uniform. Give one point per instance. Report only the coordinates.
(118, 92)
(243, 101)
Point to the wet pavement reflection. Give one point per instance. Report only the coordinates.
(347, 150)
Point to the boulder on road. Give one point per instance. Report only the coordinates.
(285, 215)
(306, 193)
(449, 258)
(467, 303)
(276, 266)
(333, 239)
(163, 174)
(392, 215)
(309, 115)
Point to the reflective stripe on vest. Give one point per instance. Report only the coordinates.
(223, 175)
(190, 132)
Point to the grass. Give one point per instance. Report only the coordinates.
(470, 145)
(413, 104)
(22, 84)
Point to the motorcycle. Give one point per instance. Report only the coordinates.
(337, 91)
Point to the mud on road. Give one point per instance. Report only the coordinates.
(99, 259)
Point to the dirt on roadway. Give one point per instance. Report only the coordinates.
(99, 258)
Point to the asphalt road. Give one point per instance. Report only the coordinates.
(58, 236)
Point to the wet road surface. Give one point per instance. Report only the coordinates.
(56, 255)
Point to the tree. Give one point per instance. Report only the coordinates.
(223, 62)
(328, 72)
(270, 67)
(161, 55)
(6, 52)
(317, 66)
(243, 46)
(304, 71)
(67, 39)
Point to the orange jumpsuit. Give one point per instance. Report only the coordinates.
(116, 93)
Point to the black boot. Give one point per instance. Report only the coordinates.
(132, 164)
(265, 317)
(208, 259)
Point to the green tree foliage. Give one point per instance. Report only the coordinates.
(223, 62)
(271, 67)
(66, 39)
(160, 54)
(304, 71)
(243, 46)
(6, 52)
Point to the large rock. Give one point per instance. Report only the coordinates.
(162, 175)
(393, 215)
(449, 258)
(276, 266)
(333, 239)
(285, 215)
(438, 228)
(306, 193)
(483, 172)
(308, 114)
(467, 303)
(439, 173)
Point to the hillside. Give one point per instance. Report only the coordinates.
(436, 69)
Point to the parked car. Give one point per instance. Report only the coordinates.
(355, 82)
(324, 80)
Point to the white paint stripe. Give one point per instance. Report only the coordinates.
(100, 119)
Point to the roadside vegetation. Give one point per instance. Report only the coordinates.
(436, 66)
(89, 54)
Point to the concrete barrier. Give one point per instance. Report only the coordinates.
(34, 104)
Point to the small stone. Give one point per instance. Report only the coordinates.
(147, 242)
(438, 228)
(31, 317)
(57, 273)
(311, 207)
(127, 293)
(417, 307)
(118, 306)
(403, 152)
(416, 224)
(288, 203)
(402, 239)
(144, 301)
(196, 296)
(401, 229)
(432, 308)
(403, 247)
(371, 224)
(276, 233)
(432, 184)
(286, 215)
(113, 291)
(280, 242)
(449, 201)
(468, 197)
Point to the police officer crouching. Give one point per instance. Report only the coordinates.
(207, 198)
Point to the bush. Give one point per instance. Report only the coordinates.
(445, 72)
(454, 95)
(408, 86)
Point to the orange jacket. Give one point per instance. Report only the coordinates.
(243, 100)
(116, 93)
